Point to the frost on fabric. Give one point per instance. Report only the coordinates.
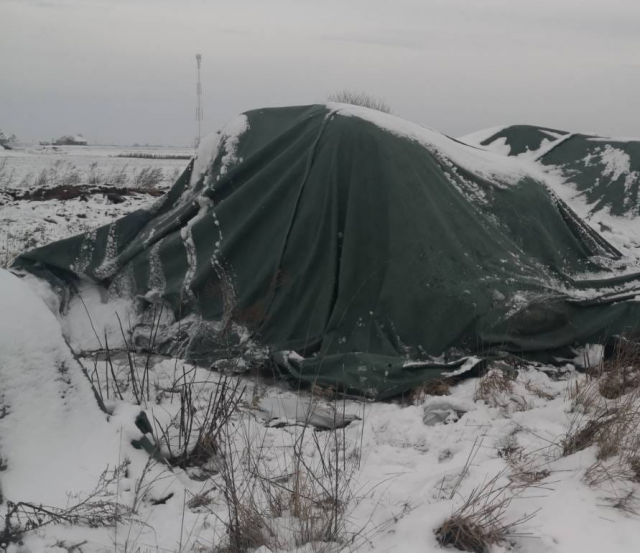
(460, 368)
(225, 277)
(468, 188)
(86, 253)
(124, 283)
(157, 280)
(109, 265)
(225, 142)
(205, 204)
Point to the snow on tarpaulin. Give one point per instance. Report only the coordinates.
(514, 140)
(598, 176)
(360, 241)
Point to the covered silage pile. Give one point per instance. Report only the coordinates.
(380, 251)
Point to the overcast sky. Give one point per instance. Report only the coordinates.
(123, 71)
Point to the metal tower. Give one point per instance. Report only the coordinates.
(199, 103)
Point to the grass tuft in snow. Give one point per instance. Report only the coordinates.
(481, 521)
(283, 498)
(359, 99)
(606, 415)
(498, 386)
(436, 387)
(620, 374)
(193, 436)
(628, 503)
(100, 508)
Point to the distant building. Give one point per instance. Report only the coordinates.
(77, 140)
(7, 141)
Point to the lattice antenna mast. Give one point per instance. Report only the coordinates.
(199, 112)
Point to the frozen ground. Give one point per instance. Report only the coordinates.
(263, 480)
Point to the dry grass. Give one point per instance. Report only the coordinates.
(606, 415)
(359, 99)
(606, 405)
(66, 173)
(612, 426)
(526, 469)
(628, 503)
(620, 374)
(537, 390)
(436, 387)
(583, 395)
(584, 432)
(193, 436)
(634, 466)
(99, 508)
(494, 385)
(481, 520)
(286, 498)
(200, 500)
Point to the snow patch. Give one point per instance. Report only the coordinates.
(476, 138)
(210, 147)
(616, 162)
(205, 203)
(53, 437)
(91, 315)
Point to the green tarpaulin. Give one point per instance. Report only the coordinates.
(604, 171)
(376, 249)
(522, 139)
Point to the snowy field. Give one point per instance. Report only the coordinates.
(48, 165)
(25, 225)
(524, 457)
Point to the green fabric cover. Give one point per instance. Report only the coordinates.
(606, 171)
(524, 138)
(361, 249)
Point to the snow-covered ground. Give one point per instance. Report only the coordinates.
(391, 477)
(72, 480)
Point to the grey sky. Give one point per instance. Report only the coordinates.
(124, 71)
